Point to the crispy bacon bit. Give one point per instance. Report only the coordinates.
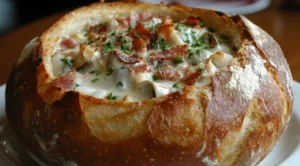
(180, 50)
(140, 68)
(192, 21)
(139, 44)
(68, 43)
(192, 79)
(166, 73)
(65, 82)
(98, 29)
(144, 33)
(145, 16)
(126, 58)
(166, 27)
(211, 39)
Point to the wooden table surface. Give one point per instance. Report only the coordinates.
(283, 25)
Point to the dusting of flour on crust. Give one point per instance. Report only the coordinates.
(247, 81)
(210, 162)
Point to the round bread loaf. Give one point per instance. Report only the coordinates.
(144, 84)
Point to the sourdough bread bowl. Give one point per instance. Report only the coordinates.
(144, 84)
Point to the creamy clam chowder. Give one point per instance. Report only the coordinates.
(140, 57)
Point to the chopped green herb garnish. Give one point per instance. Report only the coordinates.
(200, 42)
(187, 41)
(93, 40)
(136, 35)
(179, 29)
(157, 67)
(152, 28)
(76, 85)
(178, 60)
(176, 86)
(119, 84)
(111, 97)
(95, 72)
(154, 77)
(201, 69)
(114, 33)
(125, 48)
(190, 53)
(67, 62)
(110, 71)
(194, 63)
(198, 51)
(108, 47)
(123, 67)
(211, 30)
(161, 45)
(94, 80)
(130, 28)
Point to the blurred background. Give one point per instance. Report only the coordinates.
(15, 13)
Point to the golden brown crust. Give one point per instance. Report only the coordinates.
(219, 124)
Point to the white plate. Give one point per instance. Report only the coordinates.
(227, 6)
(286, 152)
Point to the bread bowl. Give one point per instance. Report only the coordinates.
(153, 98)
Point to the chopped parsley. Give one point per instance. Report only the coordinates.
(76, 85)
(178, 60)
(110, 71)
(93, 40)
(119, 84)
(111, 97)
(96, 72)
(176, 86)
(94, 80)
(136, 35)
(154, 77)
(201, 69)
(157, 67)
(190, 53)
(123, 67)
(200, 42)
(194, 64)
(130, 28)
(161, 45)
(187, 41)
(152, 28)
(125, 48)
(67, 62)
(198, 51)
(114, 33)
(108, 47)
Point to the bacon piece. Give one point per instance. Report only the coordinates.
(144, 16)
(180, 50)
(192, 79)
(139, 44)
(68, 43)
(166, 73)
(144, 33)
(98, 29)
(166, 27)
(65, 82)
(126, 58)
(140, 68)
(192, 21)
